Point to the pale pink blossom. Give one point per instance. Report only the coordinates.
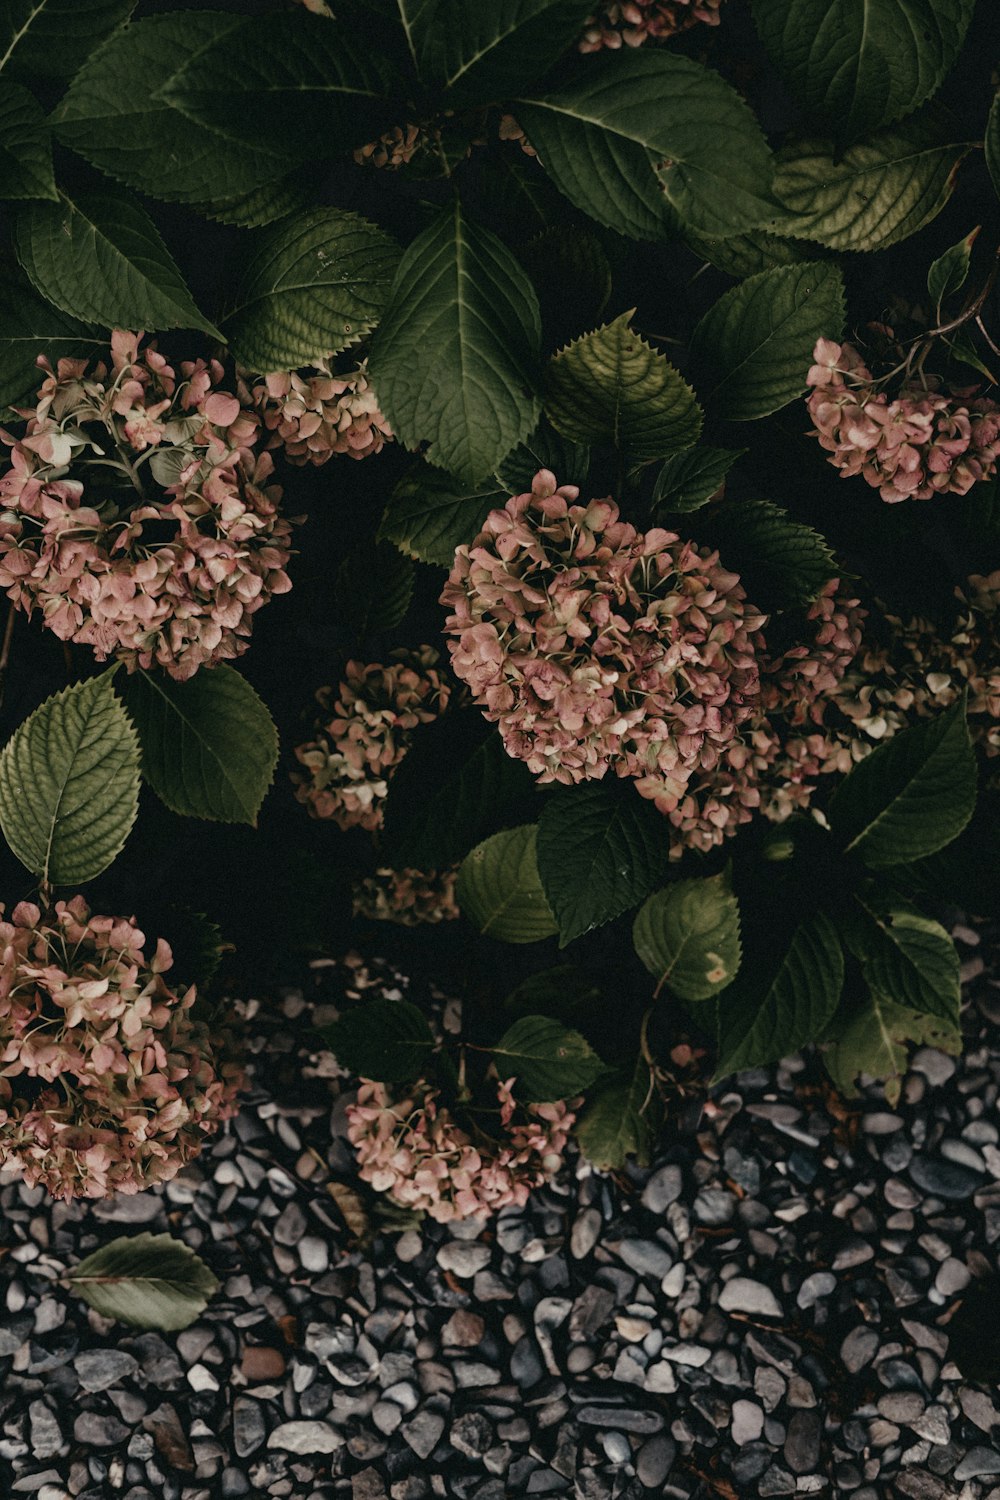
(314, 414)
(631, 23)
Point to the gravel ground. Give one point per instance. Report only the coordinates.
(764, 1313)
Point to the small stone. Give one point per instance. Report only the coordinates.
(978, 1461)
(978, 1407)
(423, 1433)
(164, 1426)
(95, 1430)
(776, 1481)
(645, 1257)
(248, 1426)
(261, 1362)
(662, 1189)
(742, 1294)
(879, 1122)
(471, 1434)
(943, 1178)
(585, 1232)
(99, 1369)
(748, 1422)
(463, 1330)
(858, 1348)
(367, 1484)
(714, 1207)
(901, 1406)
(937, 1067)
(801, 1449)
(933, 1425)
(200, 1378)
(290, 1226)
(654, 1461)
(628, 1418)
(315, 1257)
(305, 1437)
(46, 1434)
(463, 1258)
(820, 1284)
(953, 1276)
(617, 1447)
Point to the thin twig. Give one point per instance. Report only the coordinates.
(8, 636)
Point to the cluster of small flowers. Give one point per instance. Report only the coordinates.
(364, 733)
(407, 897)
(920, 444)
(176, 539)
(631, 23)
(393, 149)
(413, 1149)
(108, 1082)
(597, 647)
(314, 414)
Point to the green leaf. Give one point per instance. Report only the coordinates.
(142, 137)
(948, 273)
(373, 588)
(872, 195)
(145, 1280)
(261, 206)
(688, 936)
(688, 480)
(454, 360)
(905, 956)
(543, 449)
(499, 890)
(100, 258)
(29, 327)
(209, 745)
(479, 53)
(632, 135)
(546, 1060)
(429, 515)
(858, 64)
(52, 38)
(617, 1121)
(911, 796)
(314, 285)
(601, 850)
(69, 784)
(744, 255)
(993, 143)
(753, 348)
(453, 788)
(610, 386)
(386, 1040)
(25, 147)
(562, 992)
(783, 563)
(875, 1040)
(774, 1008)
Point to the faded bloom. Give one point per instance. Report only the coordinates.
(414, 1149)
(393, 149)
(596, 647)
(136, 517)
(920, 444)
(314, 414)
(363, 733)
(109, 1083)
(631, 23)
(407, 897)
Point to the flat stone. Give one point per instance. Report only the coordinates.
(290, 1226)
(463, 1258)
(423, 1433)
(625, 1418)
(463, 1330)
(748, 1422)
(99, 1369)
(164, 1427)
(655, 1460)
(858, 1348)
(96, 1430)
(978, 1407)
(776, 1481)
(937, 1067)
(305, 1437)
(943, 1178)
(663, 1188)
(879, 1122)
(933, 1425)
(645, 1257)
(820, 1284)
(978, 1461)
(471, 1434)
(742, 1294)
(802, 1443)
(261, 1362)
(585, 1232)
(249, 1430)
(46, 1435)
(367, 1485)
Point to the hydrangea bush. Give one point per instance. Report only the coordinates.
(602, 691)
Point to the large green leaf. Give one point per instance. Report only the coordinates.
(25, 147)
(601, 850)
(499, 890)
(857, 64)
(911, 796)
(546, 1059)
(209, 745)
(100, 258)
(948, 273)
(387, 1040)
(52, 38)
(454, 360)
(905, 956)
(263, 205)
(429, 515)
(782, 1000)
(483, 52)
(618, 1120)
(373, 588)
(688, 480)
(875, 1040)
(454, 787)
(752, 350)
(145, 1280)
(29, 327)
(782, 562)
(69, 784)
(744, 255)
(314, 284)
(631, 136)
(875, 193)
(688, 936)
(610, 386)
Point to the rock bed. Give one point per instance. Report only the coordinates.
(764, 1313)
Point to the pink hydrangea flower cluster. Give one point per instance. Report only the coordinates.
(393, 149)
(919, 444)
(314, 414)
(109, 1082)
(363, 734)
(631, 23)
(407, 897)
(413, 1149)
(136, 516)
(596, 647)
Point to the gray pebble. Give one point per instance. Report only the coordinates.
(463, 1258)
(305, 1437)
(743, 1294)
(977, 1462)
(858, 1348)
(801, 1448)
(249, 1430)
(655, 1460)
(820, 1284)
(423, 1433)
